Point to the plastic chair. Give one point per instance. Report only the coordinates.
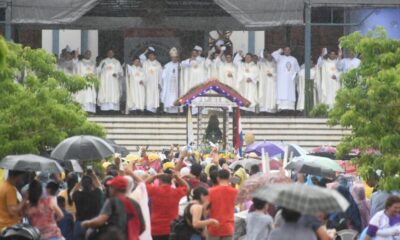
(347, 234)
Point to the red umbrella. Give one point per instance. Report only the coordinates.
(324, 151)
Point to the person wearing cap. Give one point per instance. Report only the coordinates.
(119, 211)
(164, 200)
(109, 88)
(169, 82)
(193, 71)
(136, 89)
(152, 71)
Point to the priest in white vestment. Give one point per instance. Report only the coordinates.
(169, 82)
(287, 70)
(68, 62)
(328, 78)
(301, 86)
(135, 89)
(227, 71)
(153, 72)
(194, 72)
(267, 82)
(109, 94)
(248, 75)
(87, 97)
(350, 63)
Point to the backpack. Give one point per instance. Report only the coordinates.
(21, 232)
(180, 228)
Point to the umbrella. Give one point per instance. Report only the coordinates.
(323, 162)
(309, 168)
(324, 151)
(73, 166)
(255, 182)
(302, 198)
(30, 163)
(271, 148)
(248, 162)
(82, 148)
(117, 148)
(297, 150)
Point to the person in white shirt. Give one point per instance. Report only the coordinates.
(248, 75)
(169, 82)
(286, 72)
(109, 94)
(328, 77)
(267, 87)
(86, 97)
(136, 91)
(193, 72)
(153, 71)
(350, 63)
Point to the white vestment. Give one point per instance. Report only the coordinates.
(287, 69)
(135, 91)
(109, 88)
(228, 74)
(86, 97)
(68, 66)
(347, 64)
(169, 86)
(212, 68)
(328, 86)
(267, 88)
(153, 72)
(248, 89)
(194, 73)
(301, 87)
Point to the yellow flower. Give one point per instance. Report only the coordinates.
(132, 158)
(153, 157)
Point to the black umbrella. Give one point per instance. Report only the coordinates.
(309, 168)
(73, 166)
(30, 163)
(117, 148)
(82, 148)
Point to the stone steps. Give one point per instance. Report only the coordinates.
(159, 132)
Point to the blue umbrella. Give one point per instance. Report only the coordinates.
(273, 149)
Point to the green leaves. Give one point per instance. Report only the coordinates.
(370, 105)
(40, 112)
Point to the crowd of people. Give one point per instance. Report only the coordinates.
(186, 199)
(271, 81)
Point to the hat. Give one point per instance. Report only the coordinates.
(168, 165)
(173, 52)
(151, 49)
(118, 182)
(198, 48)
(219, 43)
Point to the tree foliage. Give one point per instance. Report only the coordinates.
(39, 112)
(370, 104)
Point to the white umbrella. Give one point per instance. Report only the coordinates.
(302, 198)
(30, 163)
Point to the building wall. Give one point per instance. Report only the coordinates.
(294, 37)
(72, 38)
(388, 18)
(240, 41)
